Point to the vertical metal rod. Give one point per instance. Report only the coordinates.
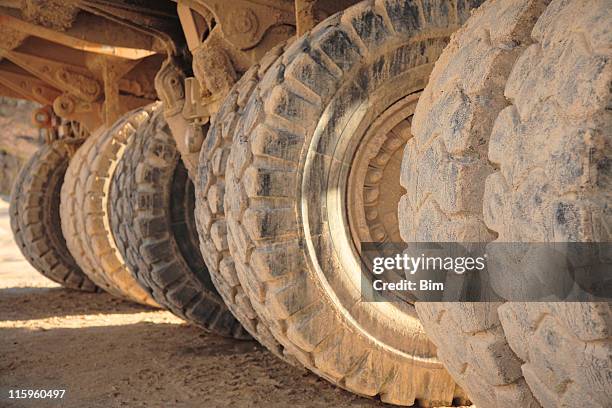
(304, 15)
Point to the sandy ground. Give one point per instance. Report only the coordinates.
(111, 353)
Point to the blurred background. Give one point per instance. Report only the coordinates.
(19, 139)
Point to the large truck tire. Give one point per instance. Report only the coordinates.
(154, 223)
(35, 216)
(319, 143)
(210, 212)
(513, 137)
(85, 208)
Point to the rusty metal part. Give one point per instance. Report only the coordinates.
(225, 39)
(46, 122)
(195, 25)
(51, 128)
(73, 133)
(194, 137)
(56, 14)
(88, 33)
(245, 22)
(71, 130)
(158, 19)
(25, 85)
(9, 93)
(10, 38)
(140, 80)
(71, 108)
(93, 114)
(89, 87)
(68, 105)
(212, 65)
(217, 66)
(112, 109)
(110, 69)
(43, 117)
(91, 60)
(200, 105)
(68, 77)
(47, 60)
(170, 82)
(304, 15)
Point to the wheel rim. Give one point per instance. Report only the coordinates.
(332, 247)
(373, 189)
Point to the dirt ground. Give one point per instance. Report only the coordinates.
(107, 352)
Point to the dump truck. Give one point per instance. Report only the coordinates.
(226, 160)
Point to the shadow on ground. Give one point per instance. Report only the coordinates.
(107, 352)
(110, 353)
(27, 303)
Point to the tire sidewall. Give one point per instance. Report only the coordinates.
(324, 166)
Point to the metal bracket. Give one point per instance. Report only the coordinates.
(73, 79)
(245, 22)
(28, 87)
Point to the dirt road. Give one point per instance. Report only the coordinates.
(110, 353)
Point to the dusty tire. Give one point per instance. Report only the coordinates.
(289, 150)
(210, 213)
(85, 208)
(522, 83)
(35, 215)
(154, 224)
